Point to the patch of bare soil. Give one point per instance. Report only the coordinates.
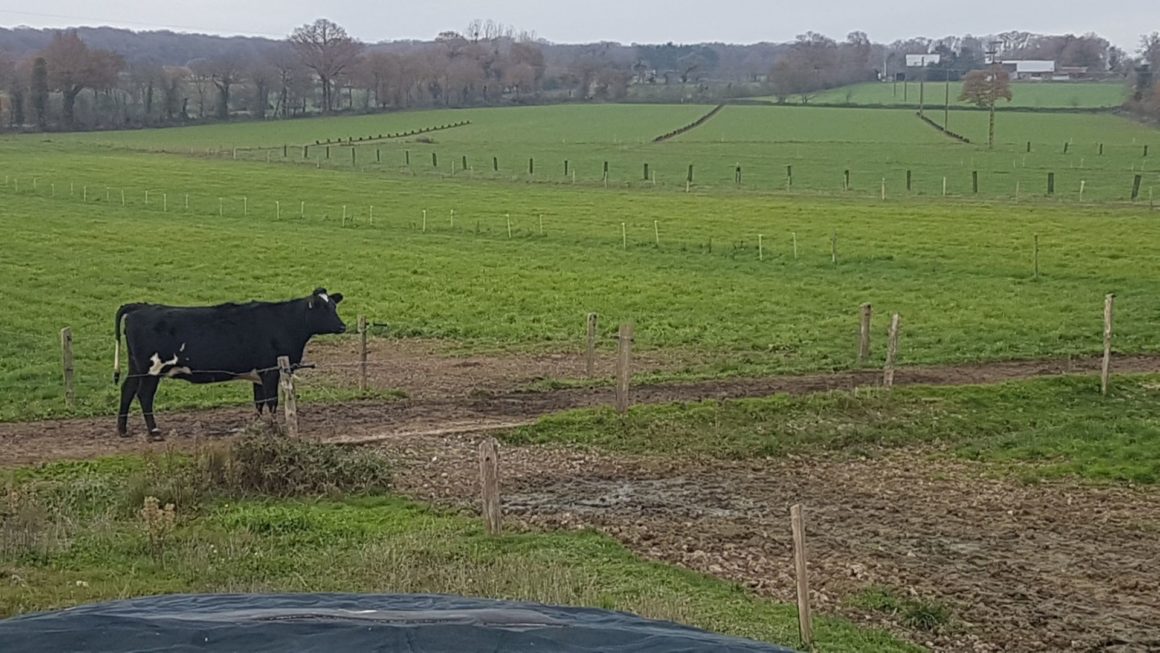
(423, 369)
(1046, 567)
(476, 393)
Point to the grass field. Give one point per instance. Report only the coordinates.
(959, 272)
(77, 536)
(961, 275)
(572, 144)
(1062, 425)
(1038, 95)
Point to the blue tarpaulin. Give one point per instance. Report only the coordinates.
(350, 623)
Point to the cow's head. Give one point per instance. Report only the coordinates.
(322, 312)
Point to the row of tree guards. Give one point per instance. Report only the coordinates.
(649, 175)
(1134, 194)
(348, 216)
(423, 225)
(353, 147)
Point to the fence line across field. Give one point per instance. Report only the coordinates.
(364, 215)
(622, 376)
(1133, 185)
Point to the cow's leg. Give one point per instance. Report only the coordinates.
(259, 398)
(128, 391)
(145, 395)
(270, 389)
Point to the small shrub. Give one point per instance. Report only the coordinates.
(159, 524)
(284, 467)
(925, 615)
(913, 612)
(255, 464)
(26, 529)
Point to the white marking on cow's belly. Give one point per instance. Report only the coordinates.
(178, 370)
(157, 366)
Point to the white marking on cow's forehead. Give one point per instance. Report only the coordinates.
(324, 297)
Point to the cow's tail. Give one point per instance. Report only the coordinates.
(121, 313)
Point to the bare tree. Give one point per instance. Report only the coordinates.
(326, 49)
(172, 96)
(1150, 49)
(520, 77)
(40, 92)
(290, 77)
(73, 67)
(201, 76)
(381, 72)
(146, 79)
(225, 71)
(263, 77)
(16, 77)
(7, 72)
(984, 88)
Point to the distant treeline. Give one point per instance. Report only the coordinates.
(99, 78)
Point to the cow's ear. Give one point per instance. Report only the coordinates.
(336, 298)
(319, 291)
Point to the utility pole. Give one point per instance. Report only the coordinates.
(947, 106)
(993, 52)
(922, 86)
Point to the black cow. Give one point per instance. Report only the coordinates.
(211, 344)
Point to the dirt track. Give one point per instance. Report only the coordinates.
(1046, 567)
(478, 393)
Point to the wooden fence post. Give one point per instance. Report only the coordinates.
(805, 622)
(1109, 304)
(864, 335)
(289, 396)
(489, 486)
(623, 366)
(66, 353)
(362, 358)
(590, 356)
(1036, 256)
(891, 352)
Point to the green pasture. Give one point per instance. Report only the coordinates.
(961, 274)
(783, 149)
(552, 125)
(1060, 426)
(1036, 95)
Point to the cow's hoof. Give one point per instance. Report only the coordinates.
(156, 436)
(122, 433)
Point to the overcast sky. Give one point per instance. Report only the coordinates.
(626, 21)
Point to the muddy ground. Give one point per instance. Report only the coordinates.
(1046, 567)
